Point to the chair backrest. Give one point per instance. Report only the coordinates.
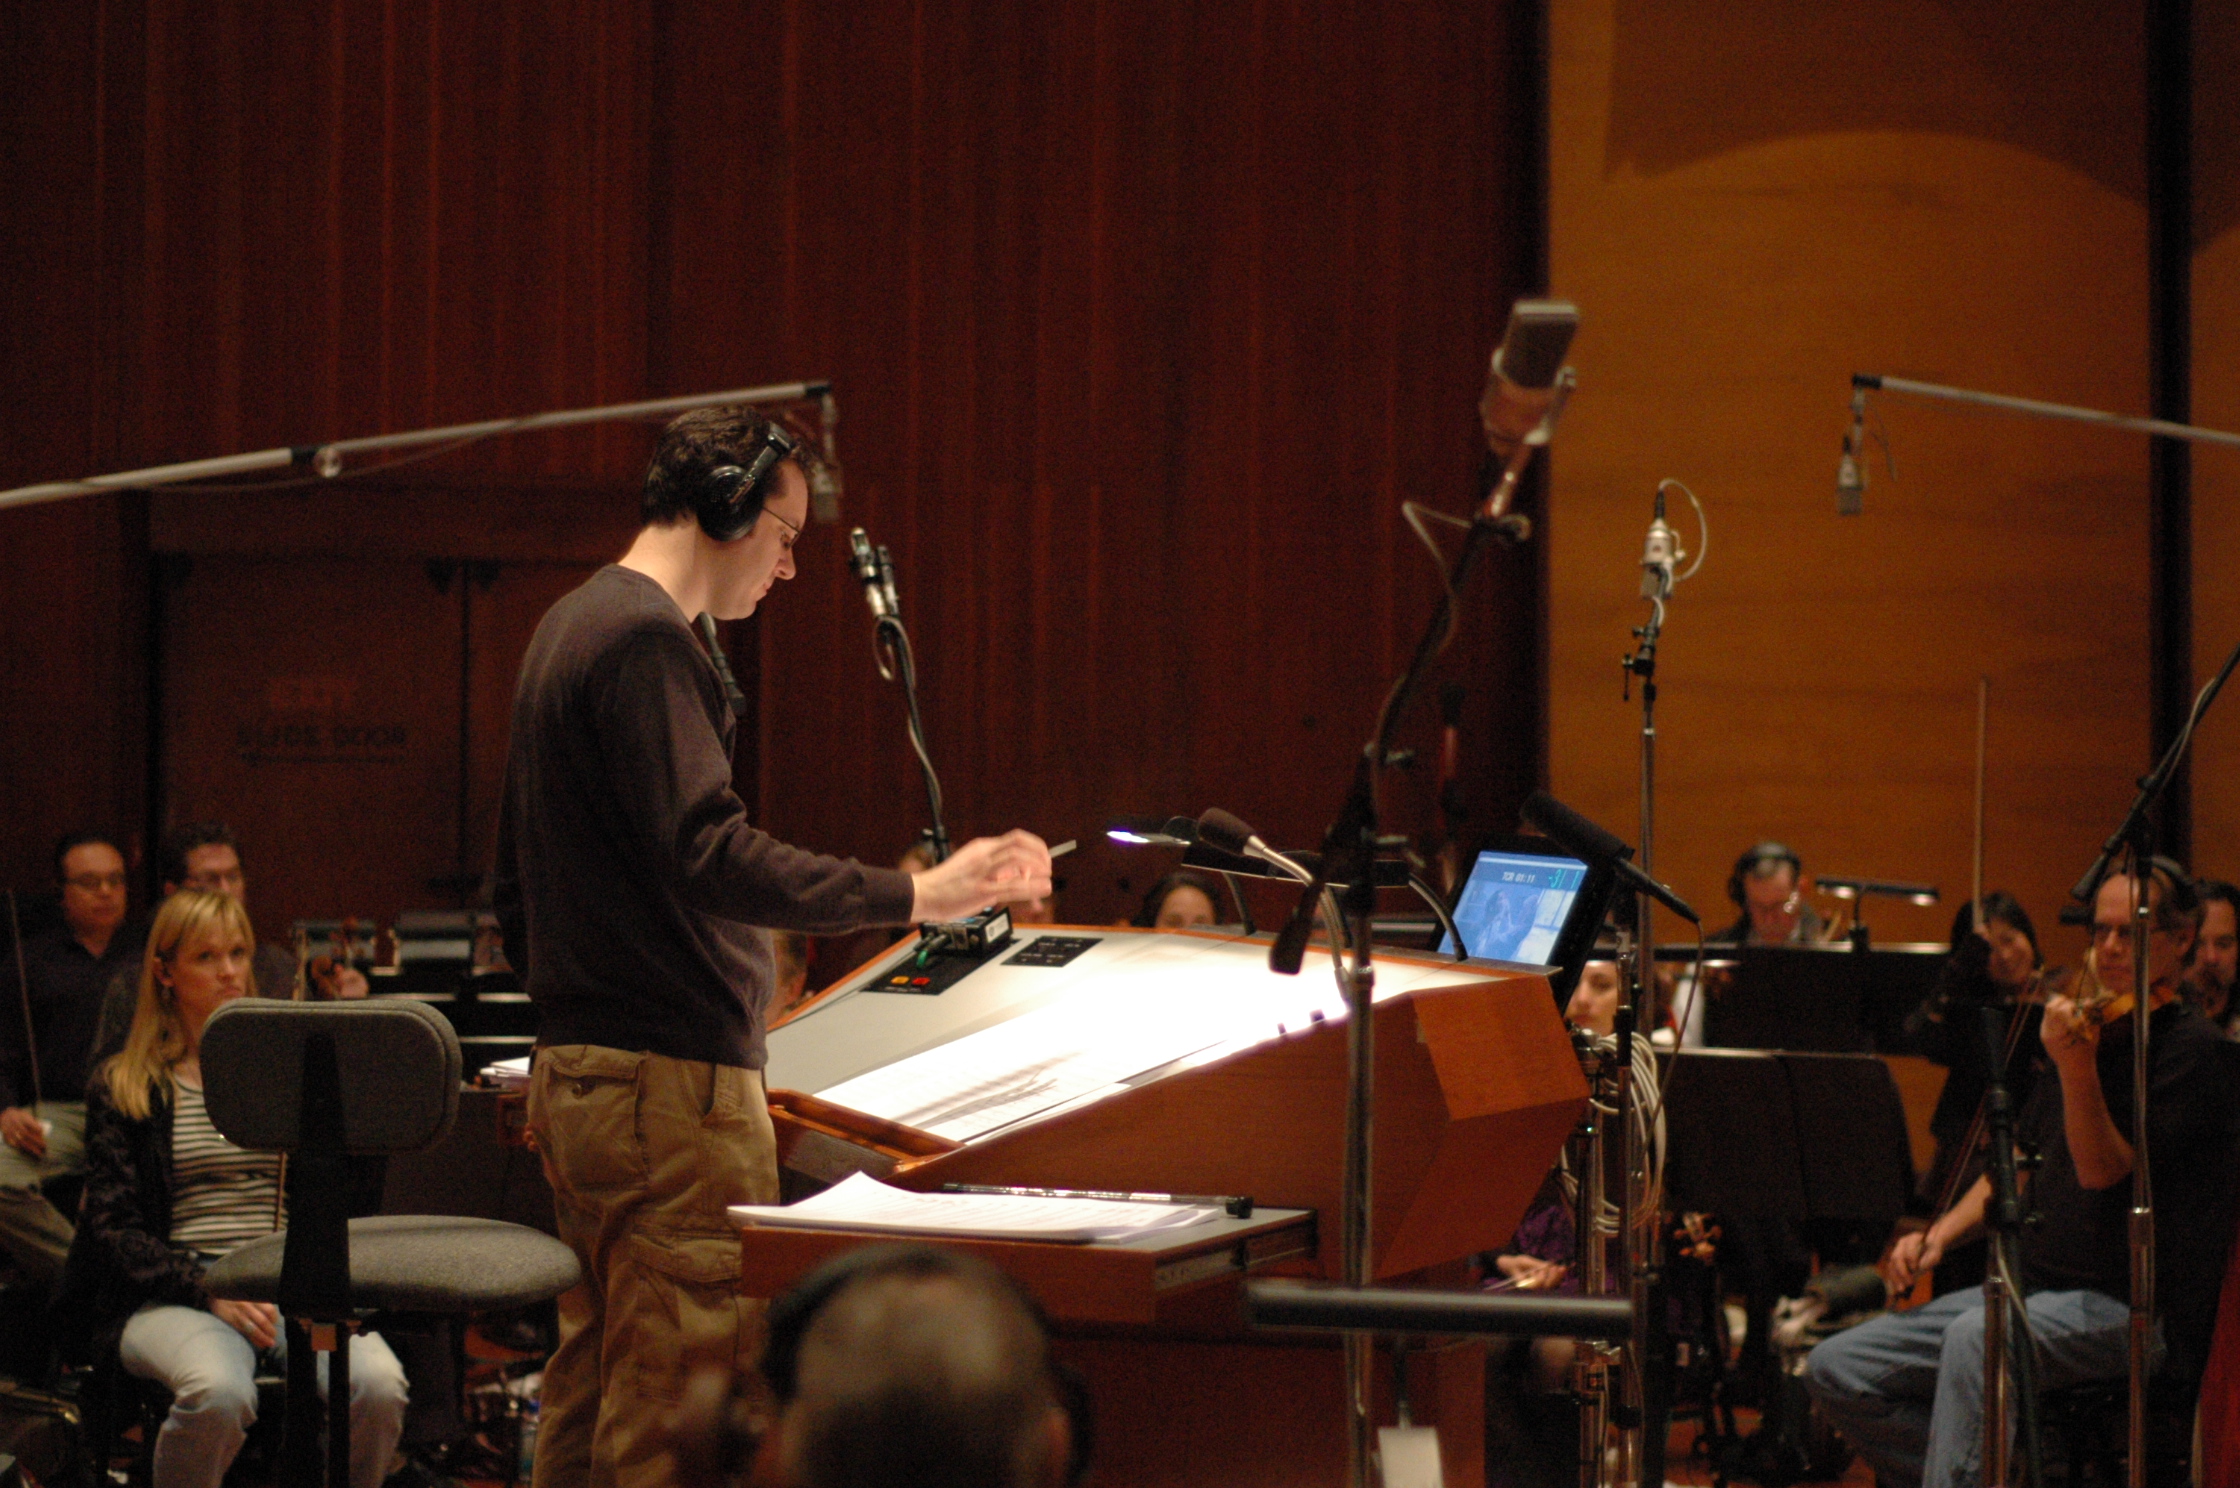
(398, 1063)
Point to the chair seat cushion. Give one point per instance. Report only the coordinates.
(418, 1263)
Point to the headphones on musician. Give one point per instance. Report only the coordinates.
(791, 1316)
(729, 498)
(1759, 862)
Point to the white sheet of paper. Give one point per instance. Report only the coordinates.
(1409, 1456)
(861, 1202)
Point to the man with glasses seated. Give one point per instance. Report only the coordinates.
(48, 1014)
(206, 855)
(1907, 1387)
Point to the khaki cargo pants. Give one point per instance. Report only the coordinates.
(644, 1152)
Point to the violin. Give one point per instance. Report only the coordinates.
(2100, 1005)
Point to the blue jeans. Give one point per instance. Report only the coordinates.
(211, 1372)
(1906, 1388)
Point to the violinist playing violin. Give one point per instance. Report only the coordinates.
(1995, 963)
(1907, 1388)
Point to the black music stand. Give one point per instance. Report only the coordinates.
(1786, 1135)
(1788, 997)
(1777, 1141)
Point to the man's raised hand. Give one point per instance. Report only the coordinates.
(985, 871)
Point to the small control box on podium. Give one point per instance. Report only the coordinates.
(1176, 1062)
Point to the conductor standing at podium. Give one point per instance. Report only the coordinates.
(636, 899)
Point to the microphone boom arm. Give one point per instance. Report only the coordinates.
(2033, 408)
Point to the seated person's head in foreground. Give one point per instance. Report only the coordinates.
(1179, 901)
(913, 1367)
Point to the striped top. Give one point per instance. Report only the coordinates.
(221, 1195)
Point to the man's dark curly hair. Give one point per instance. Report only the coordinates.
(706, 439)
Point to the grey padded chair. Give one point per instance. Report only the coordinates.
(323, 1082)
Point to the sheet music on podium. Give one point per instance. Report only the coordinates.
(863, 1203)
(1076, 1048)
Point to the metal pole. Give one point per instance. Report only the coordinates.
(1590, 1366)
(1994, 1371)
(2142, 1186)
(2035, 409)
(327, 459)
(1361, 1049)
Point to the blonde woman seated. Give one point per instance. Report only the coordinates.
(166, 1195)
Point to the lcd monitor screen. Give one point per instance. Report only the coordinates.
(1515, 905)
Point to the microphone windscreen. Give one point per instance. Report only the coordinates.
(1534, 345)
(1217, 828)
(1569, 830)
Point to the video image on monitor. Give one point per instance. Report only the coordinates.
(1514, 905)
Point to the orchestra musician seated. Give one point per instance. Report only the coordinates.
(2216, 956)
(50, 1006)
(166, 1195)
(1996, 965)
(1906, 1388)
(1183, 900)
(1767, 885)
(1532, 1420)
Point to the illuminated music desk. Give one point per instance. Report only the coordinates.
(1176, 1062)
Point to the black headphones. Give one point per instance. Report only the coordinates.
(1758, 862)
(791, 1315)
(730, 497)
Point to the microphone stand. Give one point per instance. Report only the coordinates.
(2002, 1300)
(2135, 838)
(1649, 1383)
(1349, 852)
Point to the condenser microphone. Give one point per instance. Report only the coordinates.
(1851, 473)
(824, 479)
(1659, 552)
(1217, 828)
(1581, 838)
(886, 581)
(1532, 348)
(866, 565)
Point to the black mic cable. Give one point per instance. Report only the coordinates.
(731, 692)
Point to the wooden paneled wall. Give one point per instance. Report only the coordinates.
(2216, 403)
(1144, 320)
(1751, 203)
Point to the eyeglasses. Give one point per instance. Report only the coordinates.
(791, 530)
(94, 883)
(2121, 930)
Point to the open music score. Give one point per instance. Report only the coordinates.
(1083, 1042)
(862, 1203)
(1131, 1008)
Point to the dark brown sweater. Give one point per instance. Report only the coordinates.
(628, 879)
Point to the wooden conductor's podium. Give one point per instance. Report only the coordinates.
(1176, 1062)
